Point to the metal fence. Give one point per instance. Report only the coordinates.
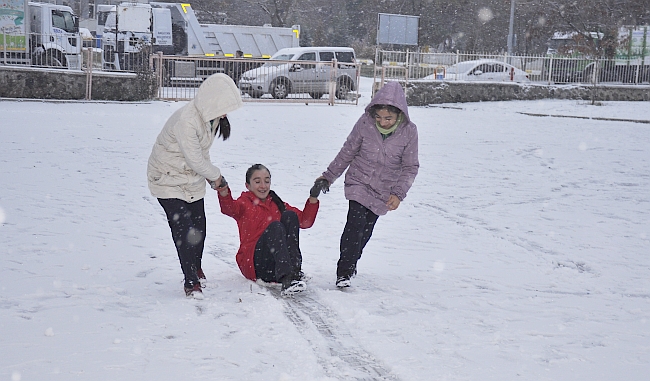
(415, 66)
(261, 80)
(178, 78)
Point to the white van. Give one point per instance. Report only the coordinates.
(312, 77)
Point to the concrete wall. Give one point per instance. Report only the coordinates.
(39, 83)
(424, 93)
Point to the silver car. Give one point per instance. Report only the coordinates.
(482, 70)
(303, 70)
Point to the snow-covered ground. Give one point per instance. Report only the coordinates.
(520, 253)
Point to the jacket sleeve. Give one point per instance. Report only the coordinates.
(307, 216)
(229, 206)
(410, 167)
(347, 153)
(187, 135)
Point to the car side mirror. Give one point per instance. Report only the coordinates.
(478, 72)
(296, 67)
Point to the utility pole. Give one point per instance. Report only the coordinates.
(511, 27)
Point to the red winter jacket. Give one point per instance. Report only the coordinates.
(253, 216)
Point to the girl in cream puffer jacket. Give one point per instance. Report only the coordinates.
(180, 164)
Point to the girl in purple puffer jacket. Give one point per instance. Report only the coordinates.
(381, 158)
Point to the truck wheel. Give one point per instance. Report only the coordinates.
(280, 89)
(54, 59)
(343, 87)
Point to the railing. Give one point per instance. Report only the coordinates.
(415, 66)
(261, 80)
(178, 77)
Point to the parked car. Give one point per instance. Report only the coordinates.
(302, 70)
(482, 70)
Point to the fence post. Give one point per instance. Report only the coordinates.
(332, 82)
(89, 73)
(550, 69)
(4, 44)
(159, 72)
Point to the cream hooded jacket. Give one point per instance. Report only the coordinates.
(180, 162)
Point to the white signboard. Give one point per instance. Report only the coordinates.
(397, 29)
(162, 26)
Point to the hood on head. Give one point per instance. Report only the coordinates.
(218, 95)
(391, 94)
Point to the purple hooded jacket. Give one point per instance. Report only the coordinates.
(378, 168)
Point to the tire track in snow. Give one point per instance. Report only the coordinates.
(336, 351)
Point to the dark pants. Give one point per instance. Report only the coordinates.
(187, 222)
(277, 252)
(358, 229)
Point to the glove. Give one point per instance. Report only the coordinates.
(216, 186)
(319, 185)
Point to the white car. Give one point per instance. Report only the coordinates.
(302, 70)
(482, 70)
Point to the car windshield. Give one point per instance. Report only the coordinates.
(281, 57)
(461, 67)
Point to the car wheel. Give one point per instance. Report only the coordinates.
(316, 95)
(343, 87)
(280, 89)
(255, 95)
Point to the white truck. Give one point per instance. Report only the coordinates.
(132, 29)
(39, 34)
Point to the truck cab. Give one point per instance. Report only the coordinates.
(54, 35)
(127, 36)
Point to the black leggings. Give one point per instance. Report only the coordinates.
(358, 229)
(277, 252)
(187, 223)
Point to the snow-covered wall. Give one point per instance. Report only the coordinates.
(40, 83)
(424, 93)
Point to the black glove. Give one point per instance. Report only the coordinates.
(319, 185)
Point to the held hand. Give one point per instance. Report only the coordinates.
(393, 202)
(220, 185)
(320, 185)
(213, 184)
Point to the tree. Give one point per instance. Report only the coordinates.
(478, 25)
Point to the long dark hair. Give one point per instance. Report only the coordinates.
(274, 197)
(223, 128)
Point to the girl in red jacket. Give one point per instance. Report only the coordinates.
(268, 230)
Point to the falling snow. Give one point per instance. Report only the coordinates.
(520, 252)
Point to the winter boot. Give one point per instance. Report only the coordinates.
(194, 291)
(201, 276)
